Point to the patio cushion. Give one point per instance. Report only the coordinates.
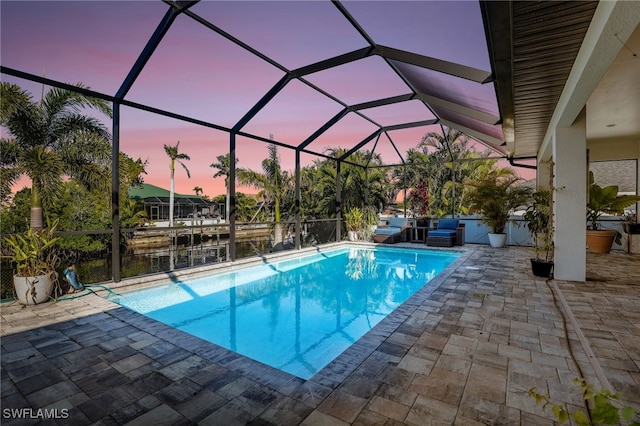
(398, 222)
(448, 224)
(442, 233)
(391, 230)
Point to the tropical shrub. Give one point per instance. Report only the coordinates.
(539, 223)
(495, 195)
(605, 200)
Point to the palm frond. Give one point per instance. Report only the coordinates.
(185, 168)
(68, 124)
(251, 178)
(9, 152)
(27, 126)
(8, 177)
(12, 99)
(58, 102)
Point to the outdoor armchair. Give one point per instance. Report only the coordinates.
(397, 229)
(445, 234)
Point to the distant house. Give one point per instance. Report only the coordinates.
(156, 203)
(621, 173)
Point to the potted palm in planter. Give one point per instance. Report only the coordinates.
(538, 218)
(604, 200)
(354, 221)
(369, 222)
(495, 196)
(35, 258)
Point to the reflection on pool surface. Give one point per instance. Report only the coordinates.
(298, 314)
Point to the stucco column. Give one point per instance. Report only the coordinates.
(570, 181)
(543, 175)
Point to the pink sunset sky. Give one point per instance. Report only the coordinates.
(198, 73)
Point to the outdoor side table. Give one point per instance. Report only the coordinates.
(419, 234)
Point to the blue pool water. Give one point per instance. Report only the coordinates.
(295, 315)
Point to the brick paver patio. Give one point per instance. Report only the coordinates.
(464, 350)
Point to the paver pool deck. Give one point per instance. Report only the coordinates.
(464, 350)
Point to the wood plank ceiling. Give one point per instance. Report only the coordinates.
(545, 39)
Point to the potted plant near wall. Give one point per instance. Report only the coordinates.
(369, 222)
(604, 200)
(538, 219)
(631, 228)
(354, 221)
(419, 202)
(35, 258)
(495, 195)
(630, 225)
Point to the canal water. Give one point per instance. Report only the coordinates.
(143, 261)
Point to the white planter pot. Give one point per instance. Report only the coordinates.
(497, 240)
(32, 290)
(352, 235)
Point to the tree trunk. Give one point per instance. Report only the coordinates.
(36, 218)
(277, 236)
(36, 221)
(227, 206)
(172, 234)
(171, 200)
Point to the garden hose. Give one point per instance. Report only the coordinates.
(550, 284)
(87, 287)
(71, 276)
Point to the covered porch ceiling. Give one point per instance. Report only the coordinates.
(535, 45)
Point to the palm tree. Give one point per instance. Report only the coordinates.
(174, 156)
(50, 139)
(442, 163)
(224, 169)
(442, 171)
(360, 188)
(273, 183)
(197, 190)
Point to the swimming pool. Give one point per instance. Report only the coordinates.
(296, 315)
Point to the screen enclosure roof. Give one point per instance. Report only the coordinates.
(302, 70)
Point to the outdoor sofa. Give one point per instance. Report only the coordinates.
(448, 233)
(396, 229)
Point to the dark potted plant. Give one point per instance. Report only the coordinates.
(419, 200)
(419, 204)
(495, 196)
(538, 219)
(604, 200)
(630, 226)
(35, 258)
